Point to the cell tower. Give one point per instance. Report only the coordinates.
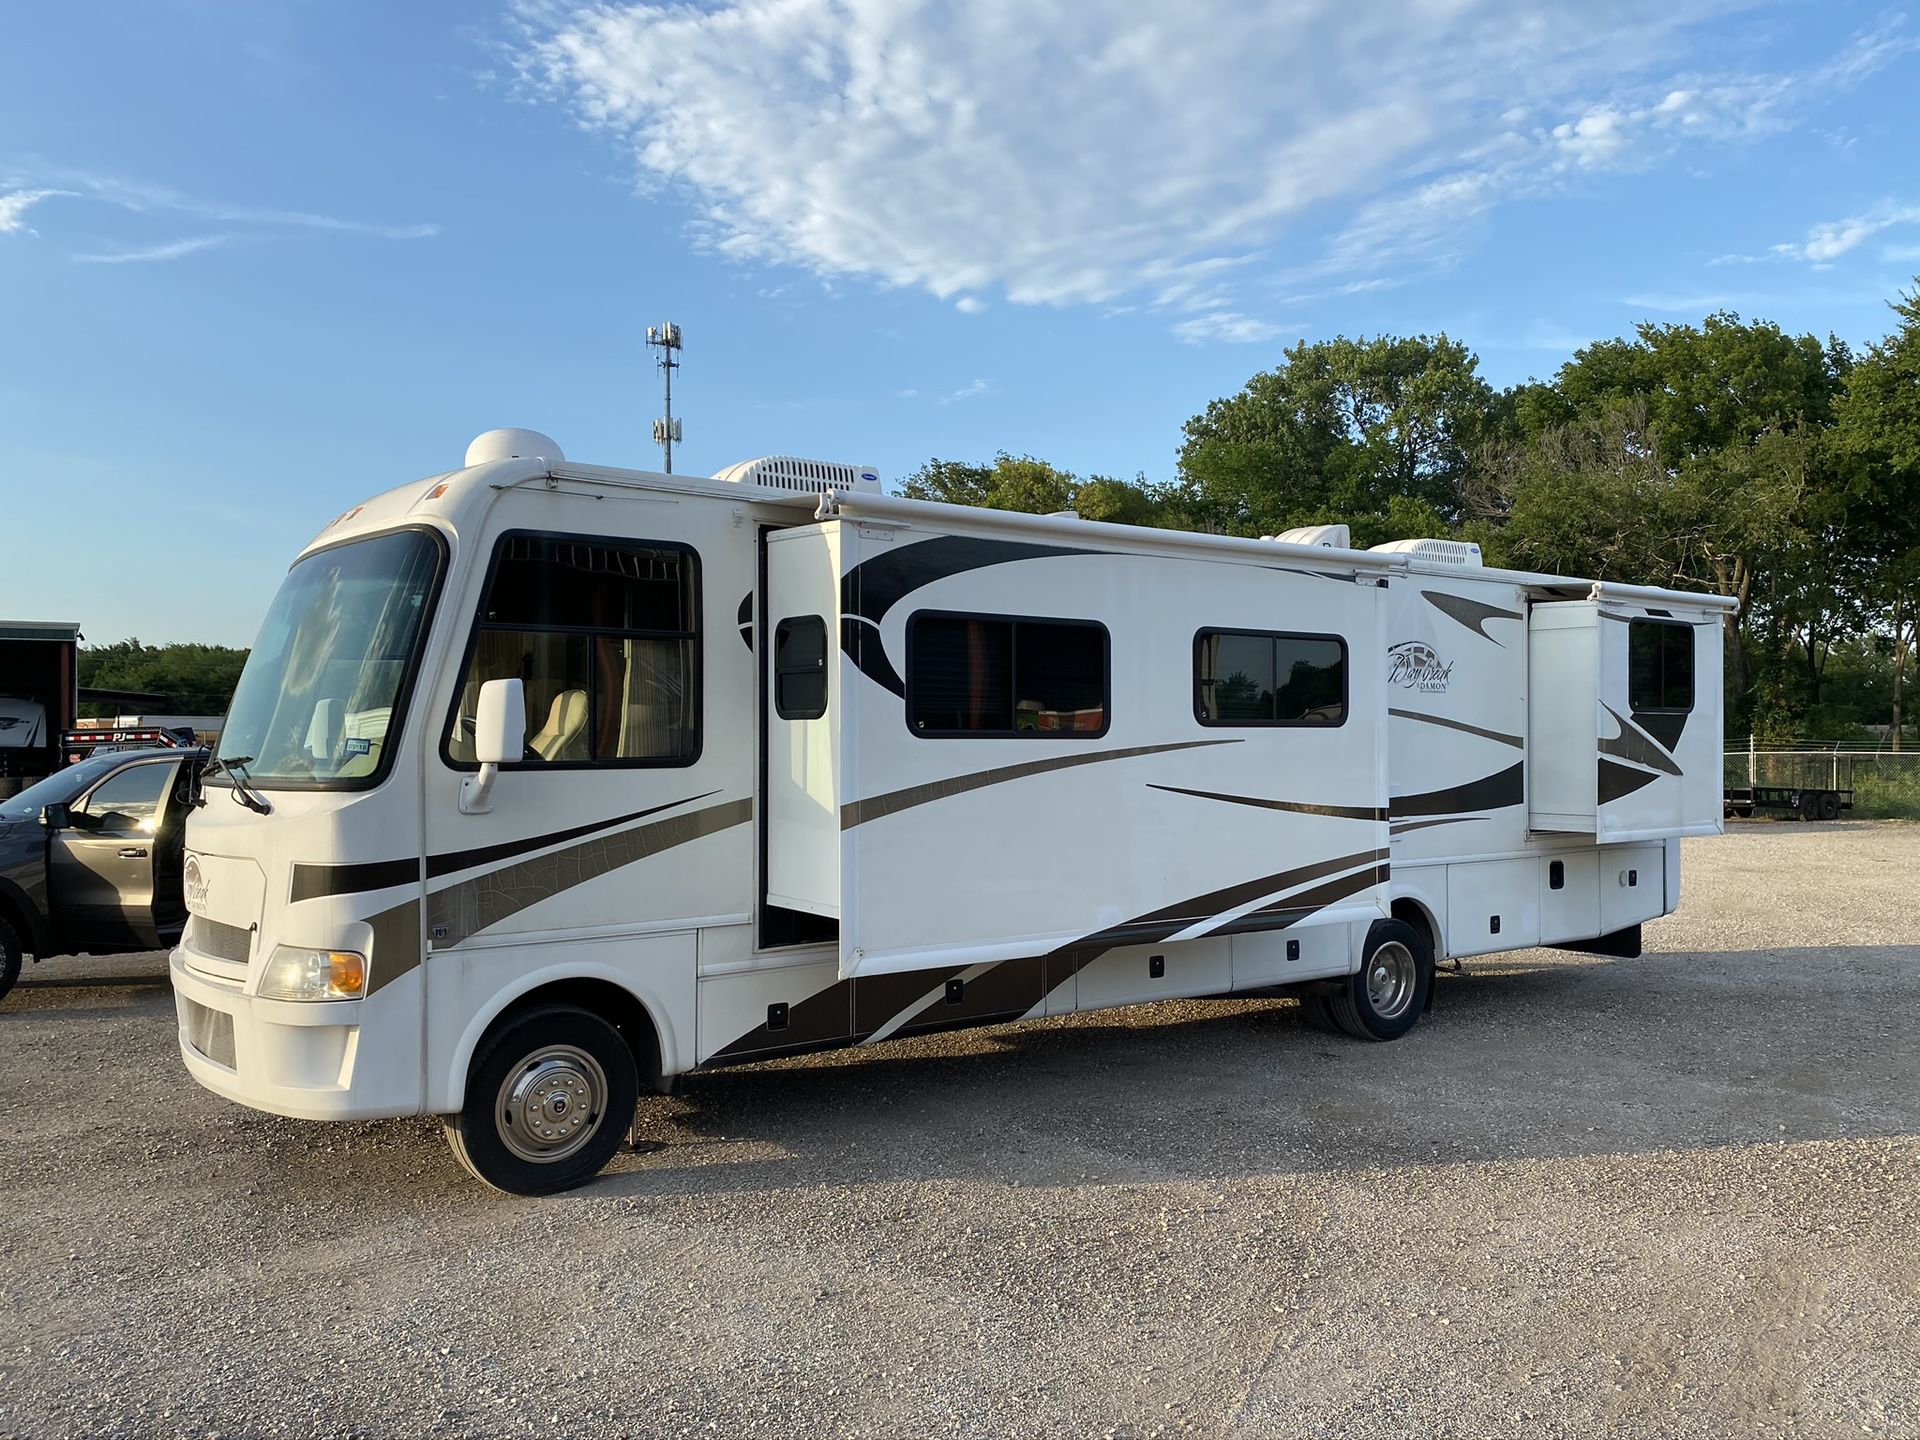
(666, 339)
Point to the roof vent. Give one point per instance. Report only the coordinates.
(1443, 552)
(513, 445)
(813, 477)
(1332, 537)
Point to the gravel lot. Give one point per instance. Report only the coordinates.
(1670, 1196)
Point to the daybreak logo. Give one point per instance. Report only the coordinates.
(195, 885)
(1413, 665)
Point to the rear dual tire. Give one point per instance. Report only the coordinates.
(550, 1094)
(1386, 996)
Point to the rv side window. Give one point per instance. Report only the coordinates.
(800, 668)
(1659, 665)
(1264, 677)
(1000, 675)
(602, 635)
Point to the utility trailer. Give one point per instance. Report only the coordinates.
(1815, 785)
(561, 781)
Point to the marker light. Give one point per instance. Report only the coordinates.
(295, 973)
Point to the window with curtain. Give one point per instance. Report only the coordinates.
(602, 635)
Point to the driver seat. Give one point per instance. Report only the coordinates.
(564, 735)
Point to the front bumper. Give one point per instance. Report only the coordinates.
(325, 1060)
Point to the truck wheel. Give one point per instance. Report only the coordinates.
(548, 1098)
(10, 951)
(1385, 996)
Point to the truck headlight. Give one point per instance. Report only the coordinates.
(294, 973)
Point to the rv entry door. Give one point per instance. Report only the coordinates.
(802, 718)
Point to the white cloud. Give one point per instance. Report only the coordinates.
(969, 305)
(1830, 239)
(14, 207)
(966, 392)
(1127, 152)
(1682, 303)
(1226, 325)
(142, 198)
(173, 250)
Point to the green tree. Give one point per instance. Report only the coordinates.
(1034, 487)
(1876, 436)
(1338, 431)
(195, 679)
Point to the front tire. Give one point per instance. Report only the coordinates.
(549, 1096)
(11, 951)
(1384, 998)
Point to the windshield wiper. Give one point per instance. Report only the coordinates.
(235, 767)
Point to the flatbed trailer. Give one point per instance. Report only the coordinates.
(1813, 784)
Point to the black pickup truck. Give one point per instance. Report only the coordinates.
(90, 857)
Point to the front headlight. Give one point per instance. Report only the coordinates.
(294, 973)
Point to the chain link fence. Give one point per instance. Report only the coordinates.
(1885, 783)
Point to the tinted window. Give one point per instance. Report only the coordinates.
(601, 635)
(996, 675)
(1659, 665)
(800, 668)
(128, 801)
(1259, 677)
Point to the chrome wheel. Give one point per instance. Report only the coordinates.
(1392, 978)
(552, 1104)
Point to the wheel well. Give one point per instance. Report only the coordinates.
(619, 1007)
(19, 920)
(1409, 911)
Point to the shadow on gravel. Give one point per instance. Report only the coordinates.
(1527, 1056)
(1519, 1061)
(29, 981)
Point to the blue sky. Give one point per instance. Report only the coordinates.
(259, 261)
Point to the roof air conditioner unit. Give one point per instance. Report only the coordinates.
(1332, 537)
(1444, 552)
(812, 477)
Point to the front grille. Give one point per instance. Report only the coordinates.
(222, 942)
(209, 1031)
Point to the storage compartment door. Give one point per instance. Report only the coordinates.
(800, 694)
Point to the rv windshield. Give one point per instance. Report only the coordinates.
(323, 687)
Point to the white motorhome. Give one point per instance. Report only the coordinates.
(550, 782)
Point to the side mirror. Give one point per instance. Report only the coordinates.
(499, 738)
(324, 729)
(500, 723)
(57, 816)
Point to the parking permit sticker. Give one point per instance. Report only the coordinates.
(359, 747)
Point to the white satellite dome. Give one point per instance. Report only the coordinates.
(511, 444)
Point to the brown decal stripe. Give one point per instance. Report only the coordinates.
(1172, 919)
(1401, 827)
(470, 906)
(312, 882)
(1616, 781)
(1013, 987)
(1297, 807)
(1492, 792)
(1632, 743)
(874, 807)
(396, 944)
(1665, 726)
(1470, 613)
(1461, 726)
(1292, 909)
(850, 1010)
